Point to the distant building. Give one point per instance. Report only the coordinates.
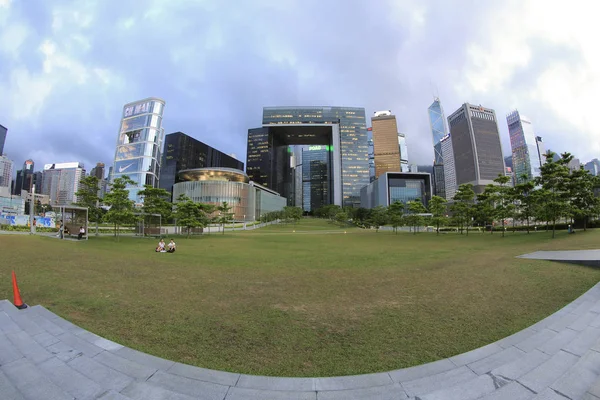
(509, 173)
(248, 200)
(450, 185)
(508, 161)
(3, 132)
(439, 129)
(25, 178)
(386, 143)
(476, 145)
(371, 154)
(526, 161)
(98, 171)
(593, 167)
(139, 145)
(574, 164)
(316, 177)
(184, 152)
(61, 181)
(6, 173)
(403, 152)
(397, 186)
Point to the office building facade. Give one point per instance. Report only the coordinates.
(439, 129)
(61, 181)
(593, 167)
(98, 171)
(371, 153)
(450, 185)
(183, 152)
(476, 146)
(316, 177)
(6, 173)
(342, 129)
(526, 162)
(397, 186)
(248, 200)
(25, 178)
(3, 133)
(404, 167)
(386, 143)
(139, 145)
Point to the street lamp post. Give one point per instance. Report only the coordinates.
(32, 211)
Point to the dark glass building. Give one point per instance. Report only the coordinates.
(439, 129)
(316, 177)
(476, 145)
(3, 132)
(397, 186)
(25, 179)
(184, 152)
(342, 128)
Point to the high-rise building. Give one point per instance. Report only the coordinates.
(397, 186)
(6, 173)
(439, 129)
(25, 178)
(541, 150)
(3, 132)
(184, 152)
(316, 177)
(593, 167)
(476, 146)
(508, 161)
(404, 167)
(526, 162)
(371, 154)
(139, 145)
(574, 164)
(61, 181)
(450, 185)
(342, 129)
(98, 171)
(386, 143)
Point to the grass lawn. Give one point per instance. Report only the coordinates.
(316, 302)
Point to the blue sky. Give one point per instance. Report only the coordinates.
(67, 67)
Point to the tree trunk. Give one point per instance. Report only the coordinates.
(438, 229)
(503, 228)
(553, 228)
(527, 225)
(585, 223)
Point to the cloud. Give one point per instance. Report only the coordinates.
(68, 67)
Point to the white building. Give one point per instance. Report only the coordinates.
(403, 153)
(449, 168)
(6, 172)
(61, 181)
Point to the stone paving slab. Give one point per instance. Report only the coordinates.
(191, 387)
(252, 394)
(390, 392)
(584, 257)
(421, 371)
(208, 375)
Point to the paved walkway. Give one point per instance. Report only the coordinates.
(583, 257)
(45, 357)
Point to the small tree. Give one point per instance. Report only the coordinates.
(292, 213)
(224, 215)
(415, 209)
(463, 205)
(437, 207)
(526, 200)
(554, 179)
(156, 201)
(483, 211)
(121, 207)
(188, 213)
(504, 206)
(341, 218)
(87, 196)
(378, 217)
(362, 216)
(395, 212)
(581, 192)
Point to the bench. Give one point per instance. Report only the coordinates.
(157, 232)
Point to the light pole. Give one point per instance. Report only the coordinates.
(32, 211)
(244, 221)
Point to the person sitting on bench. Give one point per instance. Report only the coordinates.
(81, 232)
(171, 246)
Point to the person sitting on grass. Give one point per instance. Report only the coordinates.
(161, 246)
(171, 246)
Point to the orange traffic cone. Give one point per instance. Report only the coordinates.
(18, 302)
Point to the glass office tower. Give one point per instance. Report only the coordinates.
(353, 142)
(3, 132)
(525, 154)
(439, 129)
(139, 145)
(316, 177)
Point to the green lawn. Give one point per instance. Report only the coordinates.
(317, 302)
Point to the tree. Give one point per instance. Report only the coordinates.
(341, 218)
(526, 200)
(483, 211)
(362, 216)
(395, 212)
(292, 213)
(581, 192)
(463, 205)
(415, 217)
(502, 198)
(121, 207)
(554, 178)
(378, 217)
(156, 201)
(87, 196)
(437, 207)
(189, 213)
(224, 215)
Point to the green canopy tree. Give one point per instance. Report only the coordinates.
(395, 213)
(581, 187)
(292, 213)
(225, 216)
(415, 208)
(362, 216)
(341, 218)
(189, 213)
(463, 206)
(87, 196)
(156, 201)
(526, 200)
(554, 179)
(483, 210)
(122, 209)
(378, 217)
(437, 207)
(502, 198)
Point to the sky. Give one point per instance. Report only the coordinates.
(67, 68)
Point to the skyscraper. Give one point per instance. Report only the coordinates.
(25, 178)
(184, 152)
(3, 132)
(61, 181)
(386, 143)
(450, 185)
(526, 162)
(403, 152)
(316, 177)
(439, 129)
(342, 129)
(476, 146)
(139, 145)
(593, 167)
(6, 172)
(371, 154)
(98, 171)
